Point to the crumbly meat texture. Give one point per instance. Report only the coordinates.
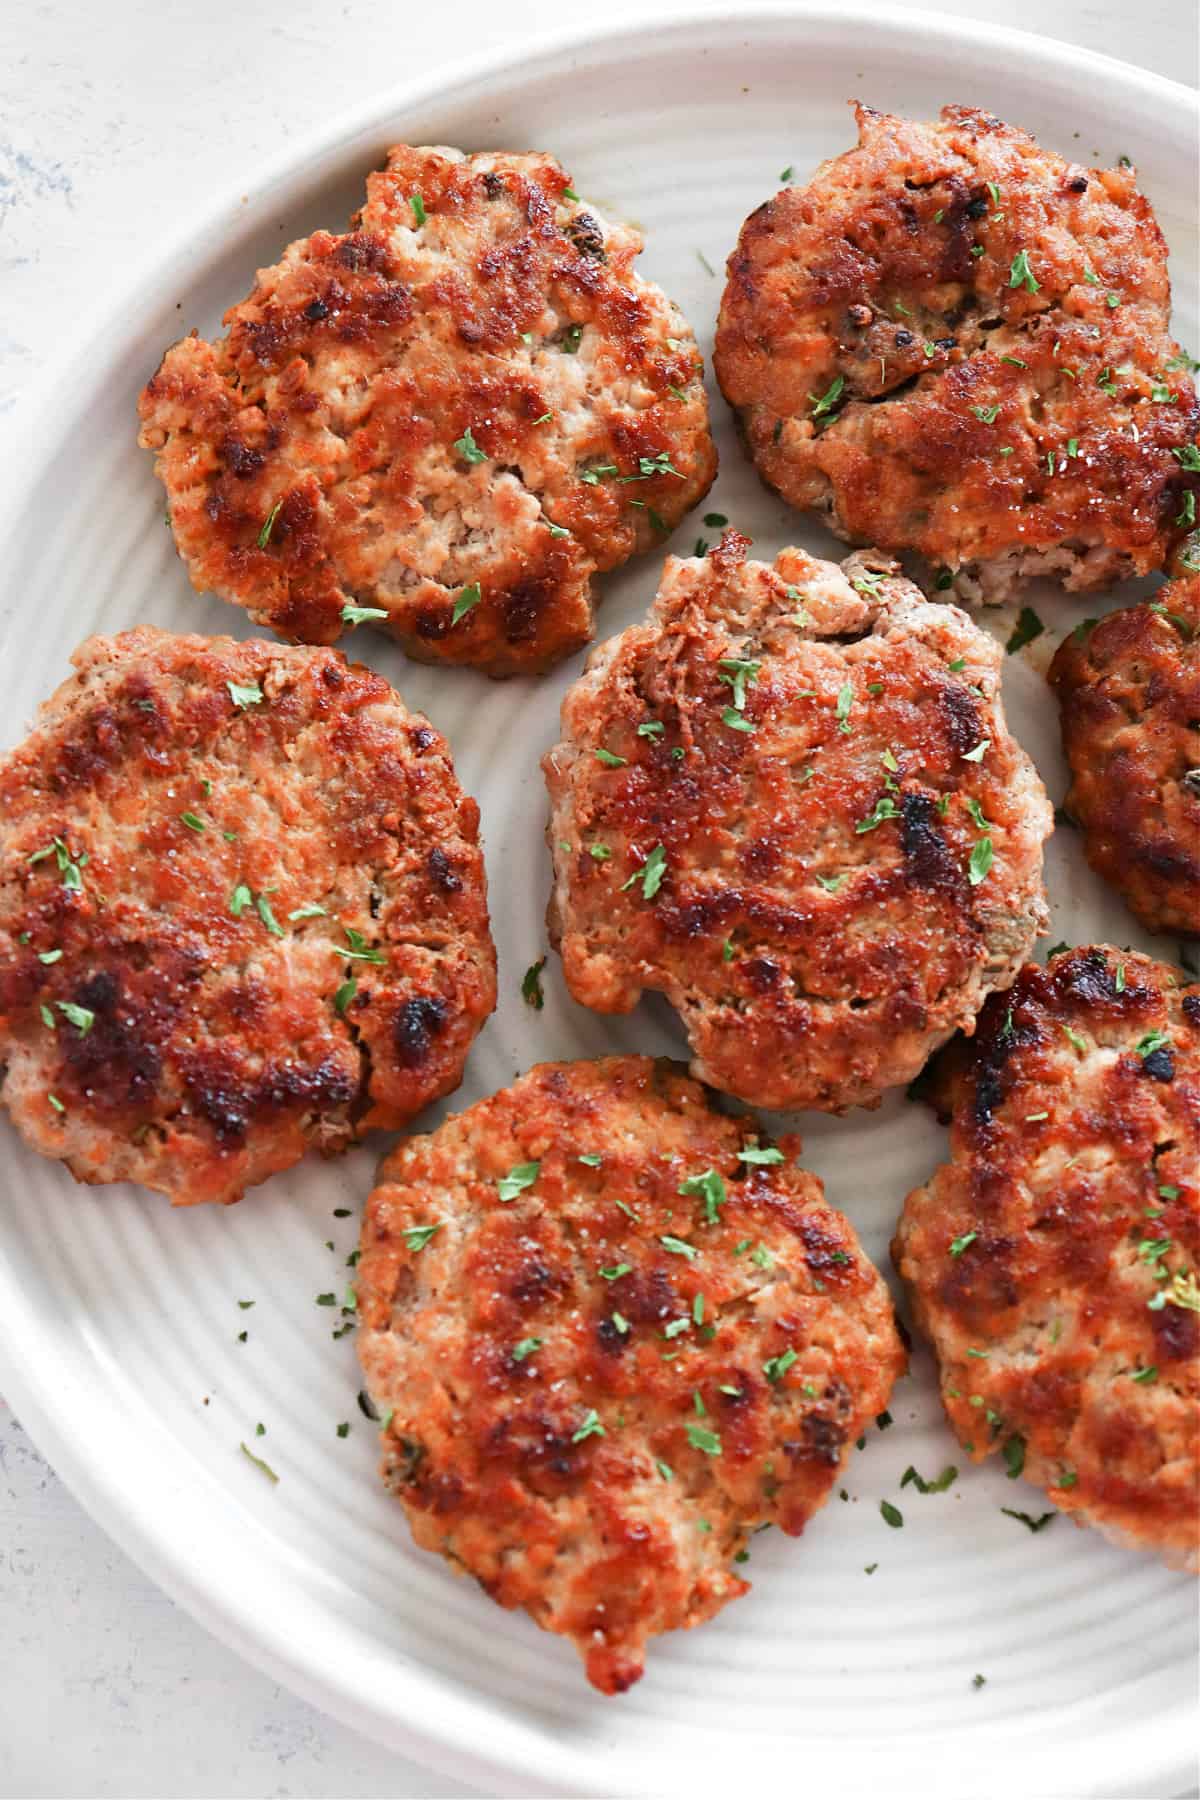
(454, 415)
(1053, 1260)
(790, 803)
(596, 1388)
(243, 913)
(954, 342)
(1129, 692)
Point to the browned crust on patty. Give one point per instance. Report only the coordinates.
(1053, 1260)
(164, 1018)
(318, 455)
(864, 280)
(1129, 693)
(815, 920)
(491, 1444)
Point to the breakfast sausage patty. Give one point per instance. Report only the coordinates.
(1129, 690)
(789, 802)
(242, 913)
(444, 421)
(1053, 1260)
(612, 1333)
(956, 343)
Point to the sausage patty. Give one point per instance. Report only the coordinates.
(612, 1333)
(243, 913)
(1129, 690)
(789, 802)
(1053, 1260)
(444, 421)
(954, 342)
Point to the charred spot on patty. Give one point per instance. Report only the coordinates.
(418, 1023)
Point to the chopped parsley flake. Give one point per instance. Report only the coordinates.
(262, 907)
(468, 449)
(829, 399)
(531, 985)
(737, 672)
(651, 873)
(1038, 1524)
(519, 1177)
(980, 861)
(1027, 628)
(959, 1244)
(526, 1347)
(701, 1438)
(938, 1485)
(418, 208)
(711, 1189)
(885, 808)
(988, 414)
(845, 700)
(615, 1271)
(678, 1247)
(268, 525)
(891, 1515)
(310, 910)
(244, 696)
(258, 1462)
(358, 615)
(1014, 1455)
(468, 597)
(752, 1154)
(831, 883)
(590, 1427)
(417, 1236)
(345, 994)
(776, 1367)
(651, 728)
(1021, 274)
(81, 1017)
(737, 721)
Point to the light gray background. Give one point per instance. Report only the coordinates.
(117, 118)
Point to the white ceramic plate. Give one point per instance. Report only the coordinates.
(119, 1318)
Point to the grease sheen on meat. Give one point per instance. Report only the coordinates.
(468, 404)
(243, 913)
(1053, 1260)
(954, 342)
(790, 803)
(1129, 690)
(596, 1386)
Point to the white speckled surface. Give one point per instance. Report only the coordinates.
(114, 116)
